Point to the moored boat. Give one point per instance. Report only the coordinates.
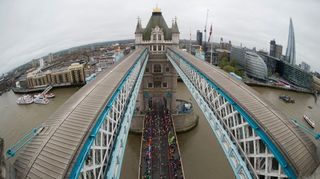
(50, 95)
(41, 100)
(25, 99)
(286, 99)
(309, 121)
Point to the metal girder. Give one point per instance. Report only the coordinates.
(102, 153)
(120, 145)
(237, 163)
(255, 145)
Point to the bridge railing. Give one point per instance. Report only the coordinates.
(222, 112)
(226, 139)
(11, 152)
(102, 153)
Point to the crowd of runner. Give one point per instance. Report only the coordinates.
(160, 155)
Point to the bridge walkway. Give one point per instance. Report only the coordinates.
(291, 143)
(52, 153)
(160, 156)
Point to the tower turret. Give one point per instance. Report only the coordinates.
(175, 32)
(138, 33)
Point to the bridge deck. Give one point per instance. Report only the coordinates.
(52, 152)
(293, 143)
(160, 156)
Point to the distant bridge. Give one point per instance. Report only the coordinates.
(86, 136)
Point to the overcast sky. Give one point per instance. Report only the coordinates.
(33, 28)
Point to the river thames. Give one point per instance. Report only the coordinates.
(201, 154)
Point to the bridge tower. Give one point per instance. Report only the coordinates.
(160, 79)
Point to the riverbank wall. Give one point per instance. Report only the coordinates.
(279, 87)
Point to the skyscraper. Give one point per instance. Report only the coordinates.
(291, 47)
(275, 49)
(199, 37)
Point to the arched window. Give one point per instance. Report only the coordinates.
(157, 68)
(159, 37)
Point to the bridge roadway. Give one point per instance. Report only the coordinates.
(159, 154)
(52, 153)
(294, 145)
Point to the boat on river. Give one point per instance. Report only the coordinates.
(25, 99)
(309, 121)
(40, 100)
(48, 95)
(286, 99)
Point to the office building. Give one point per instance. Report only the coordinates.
(291, 47)
(253, 64)
(304, 66)
(72, 75)
(275, 49)
(199, 37)
(296, 76)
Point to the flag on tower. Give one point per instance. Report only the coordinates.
(210, 33)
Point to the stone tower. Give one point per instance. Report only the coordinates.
(160, 78)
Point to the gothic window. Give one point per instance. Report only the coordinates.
(157, 68)
(164, 85)
(157, 84)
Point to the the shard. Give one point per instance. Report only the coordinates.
(291, 47)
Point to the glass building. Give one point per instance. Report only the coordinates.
(291, 47)
(253, 64)
(296, 75)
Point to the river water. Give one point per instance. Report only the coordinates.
(201, 154)
(17, 120)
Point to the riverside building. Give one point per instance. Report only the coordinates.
(67, 76)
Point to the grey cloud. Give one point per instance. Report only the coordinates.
(30, 29)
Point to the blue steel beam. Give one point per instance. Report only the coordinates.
(114, 169)
(290, 172)
(76, 170)
(216, 127)
(11, 152)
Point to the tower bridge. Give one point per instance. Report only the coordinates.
(86, 137)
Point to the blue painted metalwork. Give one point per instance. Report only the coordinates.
(114, 169)
(11, 152)
(306, 129)
(216, 127)
(75, 172)
(259, 131)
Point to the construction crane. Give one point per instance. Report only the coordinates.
(306, 129)
(205, 32)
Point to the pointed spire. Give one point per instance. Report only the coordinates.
(139, 27)
(291, 47)
(175, 28)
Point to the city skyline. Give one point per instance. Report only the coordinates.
(34, 29)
